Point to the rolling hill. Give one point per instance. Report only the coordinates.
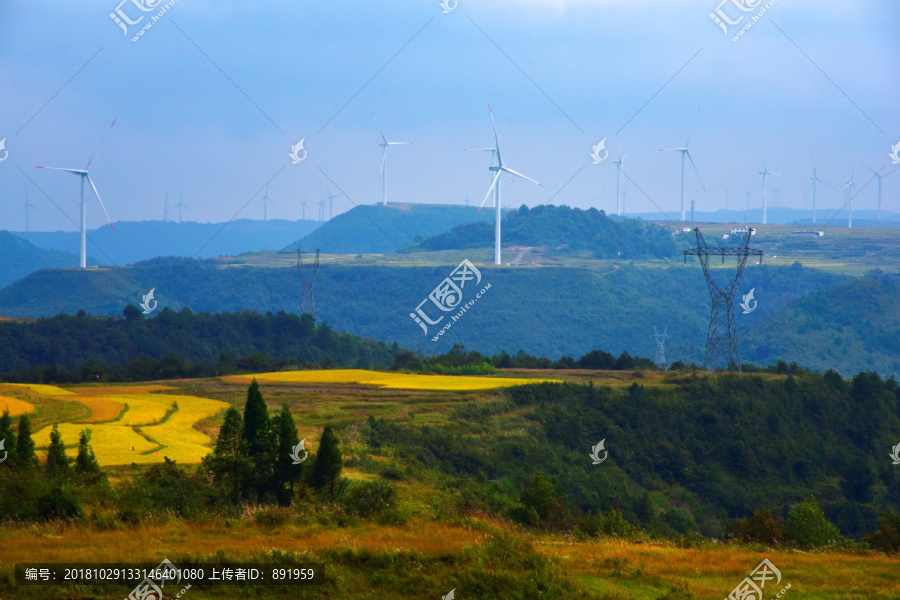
(545, 311)
(142, 240)
(21, 258)
(378, 229)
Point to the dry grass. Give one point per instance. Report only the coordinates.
(385, 380)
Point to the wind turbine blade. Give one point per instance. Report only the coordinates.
(76, 171)
(774, 173)
(890, 172)
(90, 162)
(517, 174)
(96, 193)
(490, 189)
(878, 172)
(496, 137)
(378, 125)
(690, 158)
(399, 143)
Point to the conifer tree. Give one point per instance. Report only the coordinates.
(328, 465)
(85, 461)
(57, 465)
(8, 437)
(256, 414)
(24, 444)
(286, 472)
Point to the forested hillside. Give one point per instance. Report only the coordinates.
(21, 258)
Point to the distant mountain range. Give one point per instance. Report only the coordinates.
(18, 258)
(134, 241)
(379, 229)
(817, 319)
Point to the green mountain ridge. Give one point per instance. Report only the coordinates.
(20, 258)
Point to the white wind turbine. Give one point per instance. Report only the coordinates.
(879, 176)
(500, 168)
(384, 144)
(266, 200)
(765, 173)
(331, 199)
(815, 179)
(618, 163)
(180, 205)
(849, 187)
(303, 204)
(685, 152)
(84, 174)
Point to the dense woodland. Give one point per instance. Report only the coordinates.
(745, 458)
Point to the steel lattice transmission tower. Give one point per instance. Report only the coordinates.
(307, 282)
(721, 337)
(661, 348)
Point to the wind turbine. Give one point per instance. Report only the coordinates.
(685, 152)
(384, 144)
(618, 164)
(880, 177)
(265, 200)
(331, 199)
(815, 179)
(849, 187)
(765, 173)
(180, 205)
(495, 187)
(84, 174)
(27, 205)
(321, 210)
(303, 204)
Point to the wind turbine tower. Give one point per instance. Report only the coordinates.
(815, 179)
(85, 175)
(28, 205)
(166, 209)
(499, 169)
(765, 173)
(331, 199)
(618, 164)
(180, 205)
(879, 176)
(685, 152)
(385, 144)
(266, 200)
(851, 185)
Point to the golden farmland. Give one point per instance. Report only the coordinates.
(400, 381)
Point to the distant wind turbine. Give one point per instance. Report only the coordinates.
(765, 173)
(685, 152)
(618, 164)
(815, 179)
(181, 205)
(849, 187)
(879, 176)
(28, 205)
(303, 204)
(331, 199)
(495, 187)
(84, 174)
(266, 200)
(384, 144)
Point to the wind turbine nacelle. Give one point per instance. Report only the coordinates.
(493, 168)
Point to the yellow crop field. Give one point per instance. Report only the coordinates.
(40, 389)
(124, 441)
(116, 390)
(403, 381)
(15, 406)
(102, 409)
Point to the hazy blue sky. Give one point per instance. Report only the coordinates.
(183, 124)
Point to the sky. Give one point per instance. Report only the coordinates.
(210, 99)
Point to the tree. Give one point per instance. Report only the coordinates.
(229, 464)
(329, 463)
(85, 462)
(256, 413)
(57, 465)
(25, 445)
(858, 479)
(808, 527)
(8, 437)
(286, 472)
(132, 313)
